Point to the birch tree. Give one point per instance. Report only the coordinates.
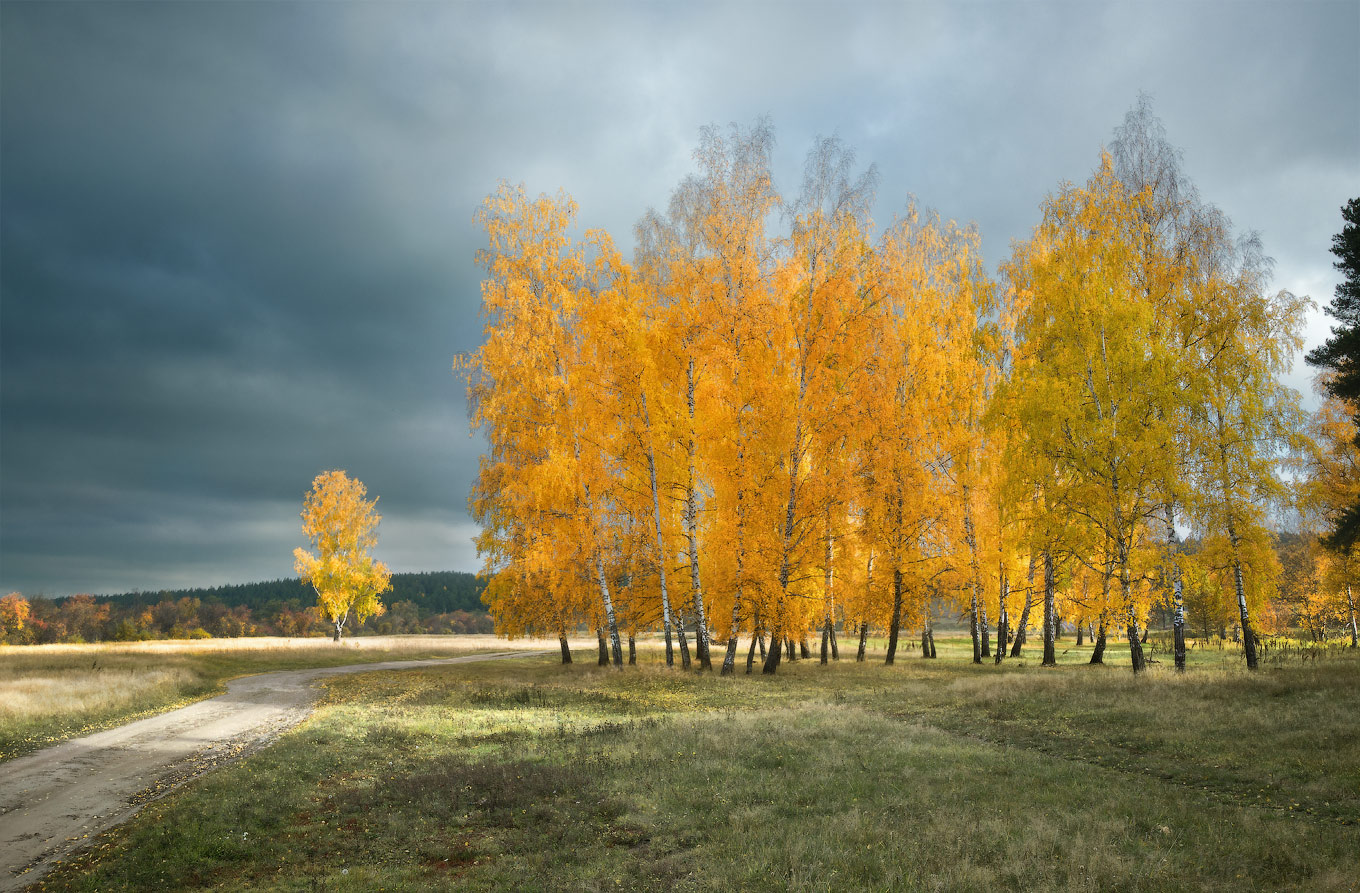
(527, 391)
(1246, 422)
(824, 305)
(342, 527)
(1091, 377)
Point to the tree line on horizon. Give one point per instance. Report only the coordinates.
(745, 432)
(438, 602)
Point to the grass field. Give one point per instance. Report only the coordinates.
(928, 775)
(49, 693)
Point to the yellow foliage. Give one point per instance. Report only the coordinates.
(342, 527)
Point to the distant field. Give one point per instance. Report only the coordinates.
(929, 775)
(49, 693)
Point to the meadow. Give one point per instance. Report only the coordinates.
(49, 693)
(927, 775)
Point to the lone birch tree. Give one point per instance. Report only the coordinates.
(342, 527)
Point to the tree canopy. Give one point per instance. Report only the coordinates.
(768, 432)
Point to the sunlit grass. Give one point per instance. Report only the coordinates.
(24, 698)
(52, 692)
(527, 775)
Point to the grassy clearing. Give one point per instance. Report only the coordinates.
(930, 775)
(49, 693)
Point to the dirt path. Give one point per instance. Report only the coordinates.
(55, 801)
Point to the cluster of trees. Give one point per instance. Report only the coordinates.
(440, 603)
(744, 432)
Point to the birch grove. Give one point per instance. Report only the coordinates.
(779, 422)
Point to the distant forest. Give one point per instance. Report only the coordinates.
(434, 602)
(432, 592)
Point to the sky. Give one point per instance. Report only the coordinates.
(237, 239)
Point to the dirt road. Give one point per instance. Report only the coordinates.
(55, 801)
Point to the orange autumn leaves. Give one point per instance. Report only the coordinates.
(751, 433)
(720, 435)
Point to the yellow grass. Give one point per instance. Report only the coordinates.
(28, 696)
(52, 692)
(310, 644)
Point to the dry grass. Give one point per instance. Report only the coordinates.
(928, 775)
(25, 697)
(389, 645)
(49, 693)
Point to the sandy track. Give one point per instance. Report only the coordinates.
(57, 800)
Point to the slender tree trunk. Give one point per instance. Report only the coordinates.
(1081, 631)
(566, 649)
(660, 543)
(760, 640)
(792, 649)
(1248, 635)
(1019, 641)
(1001, 631)
(1350, 605)
(895, 625)
(614, 646)
(973, 627)
(1126, 595)
(729, 664)
(930, 637)
(730, 657)
(632, 652)
(835, 650)
(985, 630)
(751, 654)
(682, 639)
(868, 592)
(692, 534)
(1098, 651)
(1024, 614)
(338, 626)
(1050, 615)
(604, 647)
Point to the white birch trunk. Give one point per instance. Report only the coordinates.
(1350, 603)
(692, 533)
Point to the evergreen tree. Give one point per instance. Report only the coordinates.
(1339, 355)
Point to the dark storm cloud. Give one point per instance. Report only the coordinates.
(236, 240)
(216, 283)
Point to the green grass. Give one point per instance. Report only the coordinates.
(929, 775)
(49, 693)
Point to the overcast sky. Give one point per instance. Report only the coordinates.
(236, 239)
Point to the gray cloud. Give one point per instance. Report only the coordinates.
(236, 240)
